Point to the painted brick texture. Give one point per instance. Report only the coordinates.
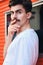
(3, 8)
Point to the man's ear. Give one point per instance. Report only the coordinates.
(29, 14)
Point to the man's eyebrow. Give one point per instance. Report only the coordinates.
(11, 12)
(18, 10)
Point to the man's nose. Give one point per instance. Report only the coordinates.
(14, 16)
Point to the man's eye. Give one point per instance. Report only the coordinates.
(19, 12)
(11, 12)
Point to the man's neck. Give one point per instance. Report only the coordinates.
(27, 26)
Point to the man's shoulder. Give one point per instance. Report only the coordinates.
(28, 33)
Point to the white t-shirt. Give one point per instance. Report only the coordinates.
(23, 50)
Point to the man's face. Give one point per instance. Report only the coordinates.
(19, 14)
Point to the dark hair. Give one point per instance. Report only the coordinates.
(27, 4)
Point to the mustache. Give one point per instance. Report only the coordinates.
(15, 19)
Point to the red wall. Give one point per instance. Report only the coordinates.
(40, 61)
(34, 0)
(3, 8)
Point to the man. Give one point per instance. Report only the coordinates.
(23, 50)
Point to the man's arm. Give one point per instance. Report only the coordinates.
(7, 43)
(11, 31)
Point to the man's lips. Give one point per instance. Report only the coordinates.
(15, 21)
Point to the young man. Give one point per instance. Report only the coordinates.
(23, 50)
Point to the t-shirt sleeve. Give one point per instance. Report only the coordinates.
(26, 52)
